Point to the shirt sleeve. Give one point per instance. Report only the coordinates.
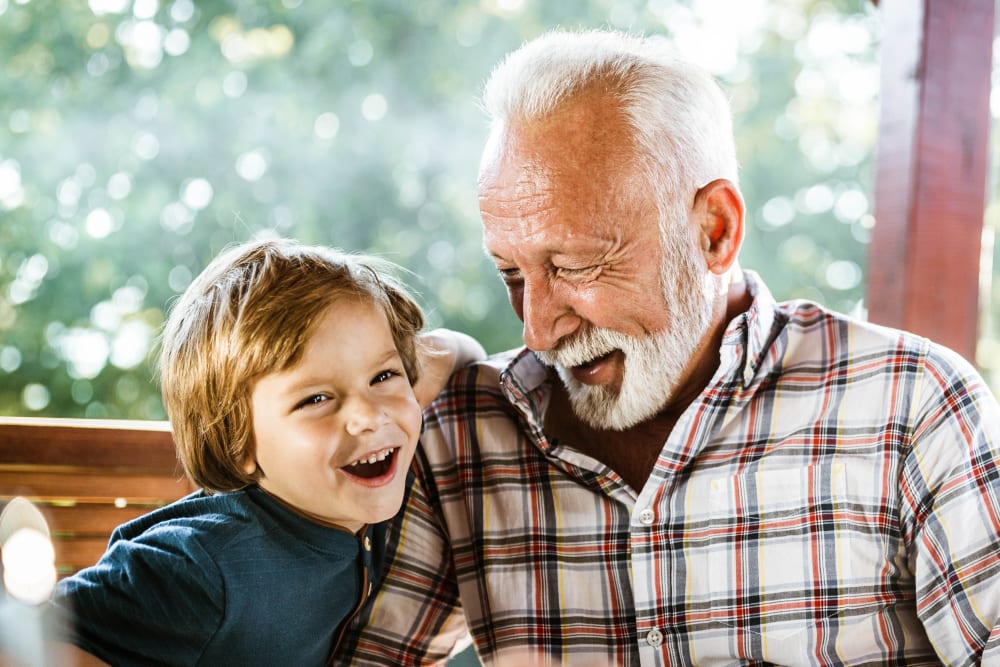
(155, 597)
(951, 494)
(415, 618)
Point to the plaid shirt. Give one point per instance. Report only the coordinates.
(831, 497)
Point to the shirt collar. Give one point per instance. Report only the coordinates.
(749, 335)
(524, 383)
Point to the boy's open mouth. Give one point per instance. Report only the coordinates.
(375, 465)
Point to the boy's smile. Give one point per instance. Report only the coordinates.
(336, 432)
(372, 466)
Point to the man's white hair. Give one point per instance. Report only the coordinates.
(680, 119)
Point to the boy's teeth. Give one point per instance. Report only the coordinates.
(375, 457)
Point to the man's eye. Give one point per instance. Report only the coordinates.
(510, 275)
(582, 272)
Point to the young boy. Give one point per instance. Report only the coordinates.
(286, 372)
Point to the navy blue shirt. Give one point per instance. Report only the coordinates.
(227, 579)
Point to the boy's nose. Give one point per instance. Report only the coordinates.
(364, 414)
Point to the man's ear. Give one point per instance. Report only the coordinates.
(719, 213)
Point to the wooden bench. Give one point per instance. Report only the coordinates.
(87, 477)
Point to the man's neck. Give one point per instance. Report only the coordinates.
(631, 453)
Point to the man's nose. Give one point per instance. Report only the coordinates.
(547, 315)
(364, 414)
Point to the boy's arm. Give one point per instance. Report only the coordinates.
(138, 599)
(441, 352)
(68, 655)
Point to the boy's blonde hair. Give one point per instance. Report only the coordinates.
(250, 313)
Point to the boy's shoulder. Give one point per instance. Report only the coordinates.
(215, 524)
(197, 509)
(211, 520)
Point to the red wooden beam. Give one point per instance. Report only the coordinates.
(930, 168)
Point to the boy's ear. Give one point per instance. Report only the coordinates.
(719, 216)
(250, 465)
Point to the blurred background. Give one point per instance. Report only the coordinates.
(138, 138)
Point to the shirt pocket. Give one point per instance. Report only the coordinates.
(791, 548)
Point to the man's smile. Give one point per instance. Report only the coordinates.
(600, 370)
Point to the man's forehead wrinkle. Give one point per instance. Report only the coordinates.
(529, 191)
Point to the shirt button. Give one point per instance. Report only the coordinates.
(654, 638)
(368, 543)
(647, 516)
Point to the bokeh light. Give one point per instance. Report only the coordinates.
(29, 571)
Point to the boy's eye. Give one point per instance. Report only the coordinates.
(385, 375)
(315, 399)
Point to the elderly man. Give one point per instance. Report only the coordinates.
(676, 469)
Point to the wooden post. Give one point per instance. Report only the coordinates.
(930, 168)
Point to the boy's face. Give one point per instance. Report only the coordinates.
(336, 432)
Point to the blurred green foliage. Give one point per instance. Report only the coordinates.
(138, 139)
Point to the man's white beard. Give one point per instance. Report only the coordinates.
(653, 363)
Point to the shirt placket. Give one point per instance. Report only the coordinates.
(646, 581)
(658, 525)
